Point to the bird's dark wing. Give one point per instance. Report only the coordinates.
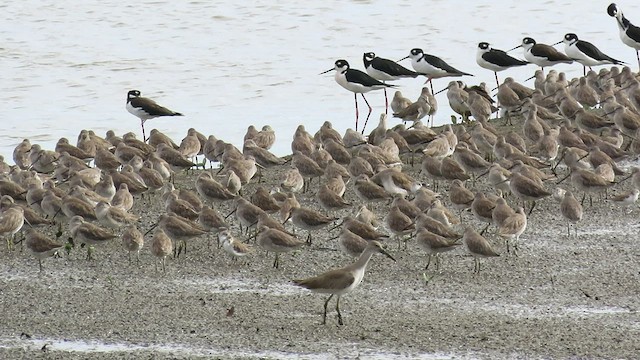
(151, 107)
(501, 58)
(357, 76)
(440, 64)
(632, 30)
(549, 52)
(592, 51)
(392, 68)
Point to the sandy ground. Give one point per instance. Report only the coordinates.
(562, 297)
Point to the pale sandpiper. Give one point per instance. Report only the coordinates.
(344, 280)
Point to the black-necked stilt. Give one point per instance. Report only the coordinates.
(357, 82)
(146, 109)
(431, 66)
(542, 54)
(385, 70)
(585, 52)
(495, 59)
(629, 33)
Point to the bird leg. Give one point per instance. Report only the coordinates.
(324, 317)
(428, 262)
(369, 114)
(40, 264)
(144, 137)
(276, 263)
(338, 311)
(164, 268)
(89, 252)
(638, 56)
(533, 205)
(355, 98)
(386, 103)
(485, 229)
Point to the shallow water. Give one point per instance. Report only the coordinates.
(227, 65)
(183, 350)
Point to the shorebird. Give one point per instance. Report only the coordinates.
(629, 33)
(431, 66)
(292, 180)
(385, 70)
(482, 208)
(278, 242)
(246, 212)
(263, 199)
(460, 197)
(398, 103)
(231, 245)
(72, 206)
(434, 244)
(478, 247)
(399, 223)
(501, 213)
(211, 189)
(344, 280)
(527, 189)
(585, 52)
(145, 109)
(179, 230)
(363, 229)
(210, 220)
(571, 210)
(133, 240)
(21, 154)
(156, 137)
(513, 227)
(627, 198)
(369, 191)
(458, 99)
(122, 198)
(587, 181)
(396, 182)
(367, 216)
(88, 233)
(330, 200)
(495, 59)
(40, 245)
(112, 216)
(469, 160)
(307, 167)
(161, 247)
(417, 110)
(357, 82)
(351, 243)
(542, 54)
(190, 145)
(309, 219)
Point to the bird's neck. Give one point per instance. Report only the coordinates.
(363, 260)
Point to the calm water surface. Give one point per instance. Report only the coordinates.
(67, 66)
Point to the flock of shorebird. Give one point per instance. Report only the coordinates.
(578, 127)
(379, 71)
